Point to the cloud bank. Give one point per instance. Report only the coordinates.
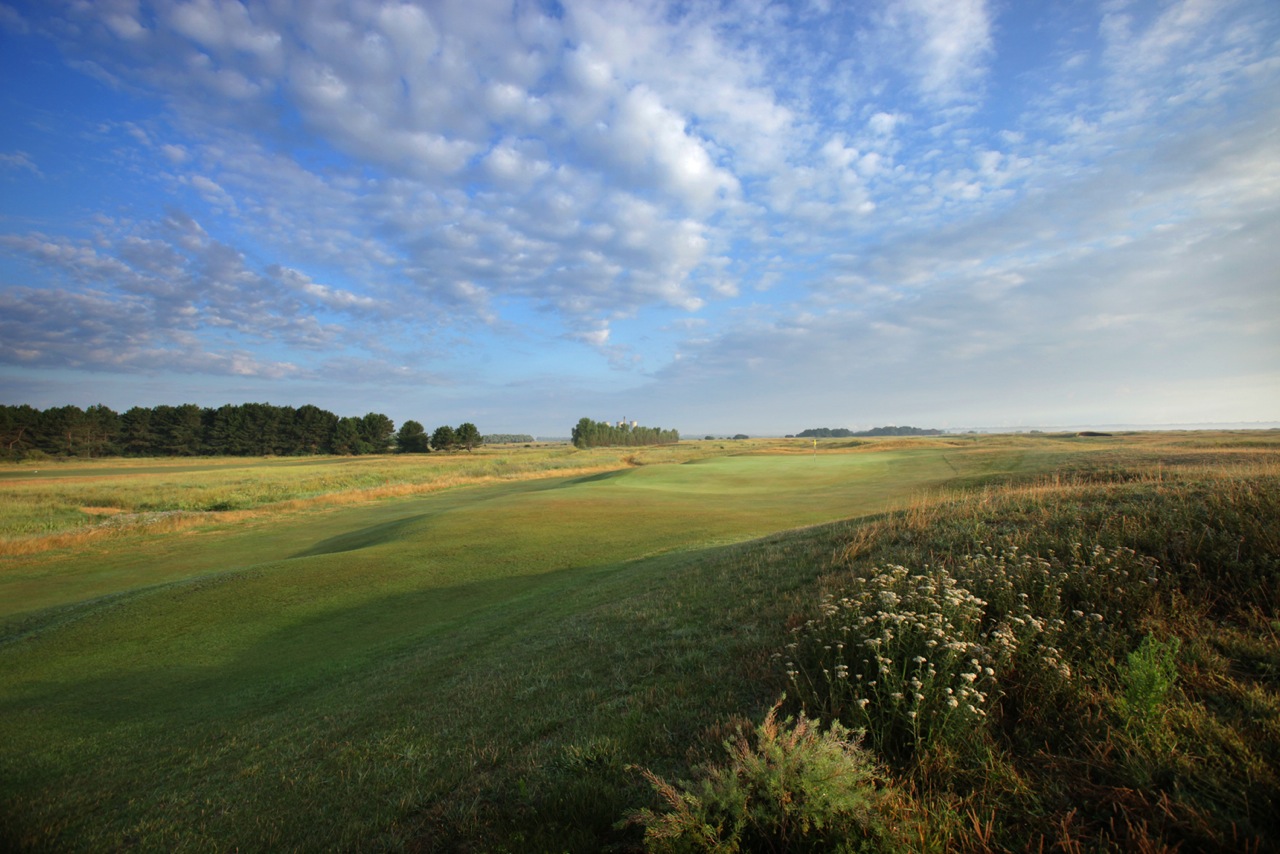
(734, 216)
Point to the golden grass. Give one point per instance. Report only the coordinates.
(118, 522)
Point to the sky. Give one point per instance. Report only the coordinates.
(746, 216)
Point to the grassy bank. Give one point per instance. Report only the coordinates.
(477, 668)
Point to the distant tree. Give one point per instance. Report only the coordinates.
(584, 433)
(313, 430)
(377, 431)
(742, 436)
(506, 438)
(17, 430)
(179, 430)
(412, 438)
(136, 436)
(468, 436)
(825, 433)
(61, 431)
(444, 438)
(101, 427)
(899, 431)
(266, 424)
(592, 434)
(346, 437)
(229, 433)
(246, 429)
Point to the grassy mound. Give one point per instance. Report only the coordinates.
(1091, 662)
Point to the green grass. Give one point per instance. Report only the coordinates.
(476, 667)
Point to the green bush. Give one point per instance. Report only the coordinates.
(1149, 676)
(790, 788)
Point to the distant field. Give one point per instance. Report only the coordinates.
(442, 652)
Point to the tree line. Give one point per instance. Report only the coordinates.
(844, 432)
(247, 429)
(594, 434)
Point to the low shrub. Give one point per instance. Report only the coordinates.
(789, 786)
(1150, 674)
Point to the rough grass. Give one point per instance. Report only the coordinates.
(476, 669)
(1066, 765)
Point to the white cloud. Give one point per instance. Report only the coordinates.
(949, 43)
(821, 181)
(20, 160)
(653, 139)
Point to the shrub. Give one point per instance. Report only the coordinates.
(790, 788)
(1148, 678)
(914, 658)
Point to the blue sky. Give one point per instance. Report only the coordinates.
(741, 217)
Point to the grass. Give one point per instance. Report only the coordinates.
(475, 668)
(1166, 733)
(64, 504)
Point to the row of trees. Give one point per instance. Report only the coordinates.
(247, 429)
(844, 432)
(594, 434)
(414, 439)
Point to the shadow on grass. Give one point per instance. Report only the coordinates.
(452, 713)
(453, 501)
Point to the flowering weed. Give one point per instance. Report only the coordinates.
(899, 657)
(916, 658)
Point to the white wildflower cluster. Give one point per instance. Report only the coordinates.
(900, 657)
(1048, 605)
(914, 657)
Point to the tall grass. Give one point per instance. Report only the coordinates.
(1037, 608)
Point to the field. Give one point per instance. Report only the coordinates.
(485, 651)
